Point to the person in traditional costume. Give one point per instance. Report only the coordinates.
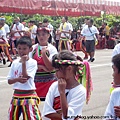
(4, 45)
(66, 97)
(21, 75)
(65, 31)
(32, 30)
(4, 40)
(42, 53)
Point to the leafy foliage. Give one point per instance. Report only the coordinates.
(56, 20)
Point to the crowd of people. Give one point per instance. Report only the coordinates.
(50, 72)
(64, 37)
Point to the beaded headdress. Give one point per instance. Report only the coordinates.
(83, 74)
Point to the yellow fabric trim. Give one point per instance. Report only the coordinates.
(107, 30)
(111, 89)
(3, 44)
(62, 26)
(64, 39)
(25, 101)
(25, 96)
(2, 28)
(31, 28)
(64, 42)
(25, 115)
(15, 112)
(22, 100)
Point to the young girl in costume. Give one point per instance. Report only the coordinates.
(21, 75)
(42, 53)
(66, 97)
(113, 107)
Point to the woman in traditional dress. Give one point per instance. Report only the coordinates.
(42, 53)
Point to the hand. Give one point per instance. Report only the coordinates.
(44, 51)
(22, 79)
(61, 85)
(117, 111)
(24, 58)
(59, 112)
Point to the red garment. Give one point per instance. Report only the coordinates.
(37, 56)
(42, 88)
(43, 79)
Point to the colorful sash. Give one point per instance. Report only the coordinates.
(42, 76)
(25, 98)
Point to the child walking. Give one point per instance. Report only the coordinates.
(66, 97)
(21, 75)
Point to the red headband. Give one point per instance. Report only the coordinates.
(43, 29)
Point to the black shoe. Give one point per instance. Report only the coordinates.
(4, 61)
(10, 64)
(89, 60)
(7, 60)
(92, 59)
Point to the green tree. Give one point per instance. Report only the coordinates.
(56, 20)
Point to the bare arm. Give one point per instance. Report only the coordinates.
(97, 35)
(63, 31)
(54, 116)
(23, 76)
(64, 104)
(47, 62)
(24, 70)
(19, 79)
(13, 32)
(57, 32)
(63, 99)
(20, 30)
(117, 111)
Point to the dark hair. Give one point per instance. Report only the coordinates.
(65, 55)
(25, 40)
(105, 23)
(66, 18)
(32, 21)
(116, 62)
(36, 40)
(45, 20)
(74, 30)
(87, 18)
(91, 21)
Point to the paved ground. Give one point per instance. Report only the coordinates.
(101, 75)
